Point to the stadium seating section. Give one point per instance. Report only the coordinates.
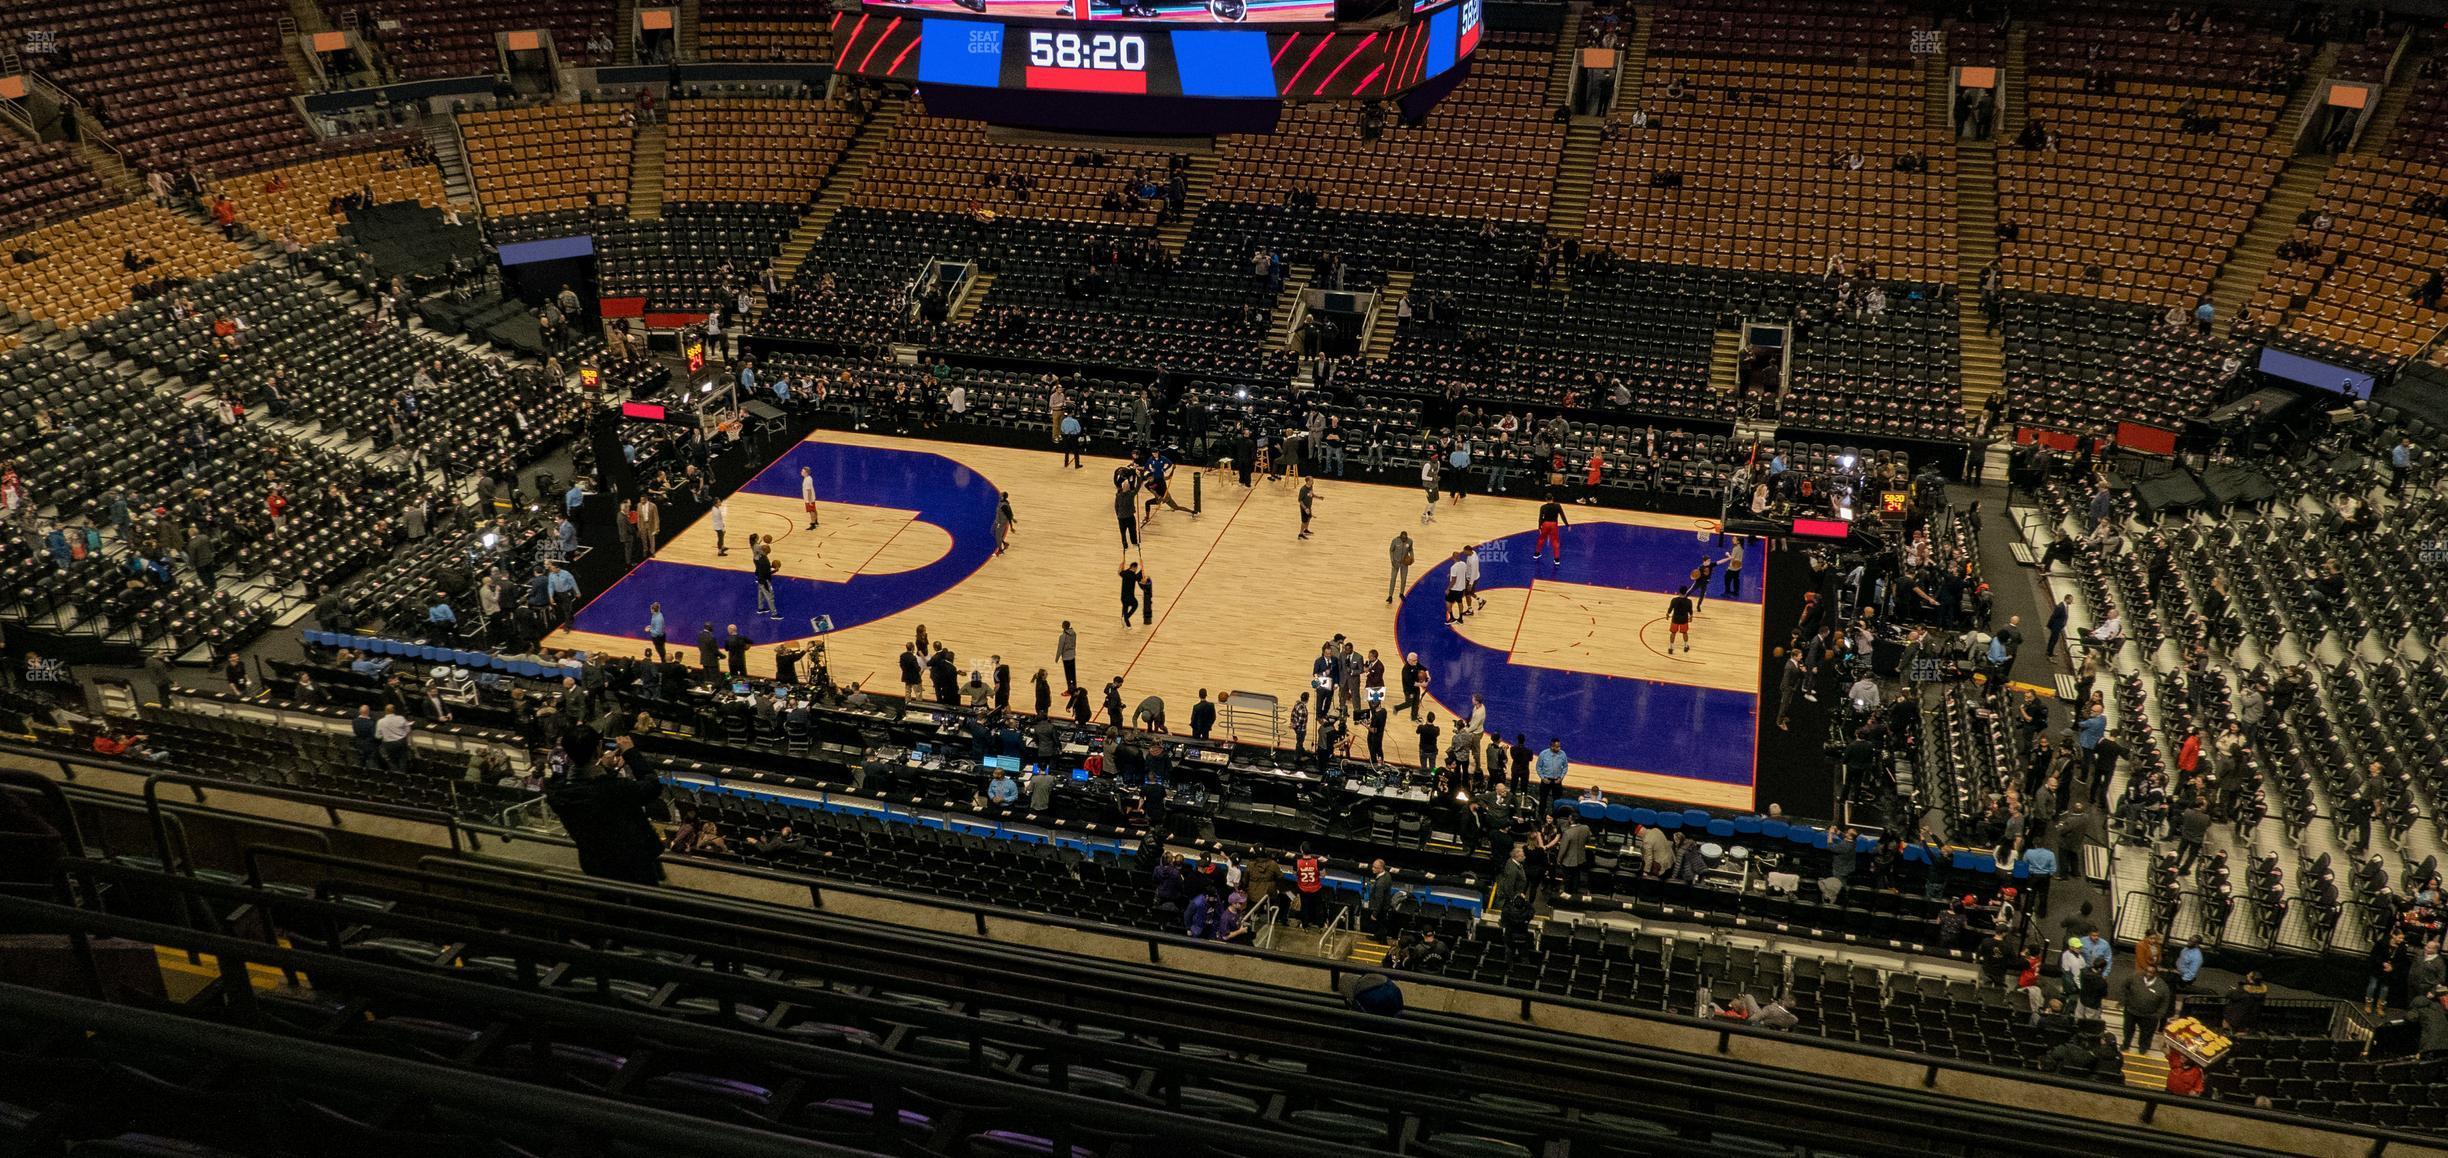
(432, 38)
(40, 183)
(2352, 291)
(548, 158)
(675, 261)
(1002, 180)
(1489, 151)
(2125, 202)
(743, 149)
(303, 199)
(172, 85)
(80, 272)
(764, 29)
(1768, 184)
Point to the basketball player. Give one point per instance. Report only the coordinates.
(807, 497)
(1157, 474)
(1428, 483)
(1471, 602)
(721, 513)
(762, 550)
(1308, 497)
(1678, 622)
(1551, 522)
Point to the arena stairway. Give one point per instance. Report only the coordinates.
(1201, 179)
(838, 186)
(2383, 125)
(104, 162)
(2018, 86)
(1983, 352)
(442, 136)
(1381, 329)
(624, 31)
(1567, 52)
(1576, 176)
(1724, 358)
(2274, 221)
(646, 174)
(1287, 307)
(302, 19)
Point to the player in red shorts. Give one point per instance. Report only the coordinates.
(1678, 622)
(1551, 530)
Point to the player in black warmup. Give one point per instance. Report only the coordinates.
(1678, 622)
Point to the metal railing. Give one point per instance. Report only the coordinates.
(234, 954)
(1182, 954)
(159, 823)
(286, 1059)
(1156, 1008)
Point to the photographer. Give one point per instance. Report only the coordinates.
(603, 807)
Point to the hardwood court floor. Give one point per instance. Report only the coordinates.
(1576, 651)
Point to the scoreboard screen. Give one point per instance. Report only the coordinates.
(1320, 62)
(1124, 11)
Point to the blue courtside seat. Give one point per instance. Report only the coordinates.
(1721, 828)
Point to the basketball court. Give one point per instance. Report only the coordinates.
(1574, 650)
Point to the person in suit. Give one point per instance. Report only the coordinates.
(709, 648)
(649, 524)
(1202, 716)
(1512, 899)
(1002, 684)
(1377, 897)
(1572, 852)
(2059, 617)
(737, 646)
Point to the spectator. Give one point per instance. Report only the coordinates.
(391, 731)
(602, 805)
(2145, 996)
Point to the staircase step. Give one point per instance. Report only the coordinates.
(1381, 332)
(646, 174)
(1725, 356)
(971, 298)
(837, 185)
